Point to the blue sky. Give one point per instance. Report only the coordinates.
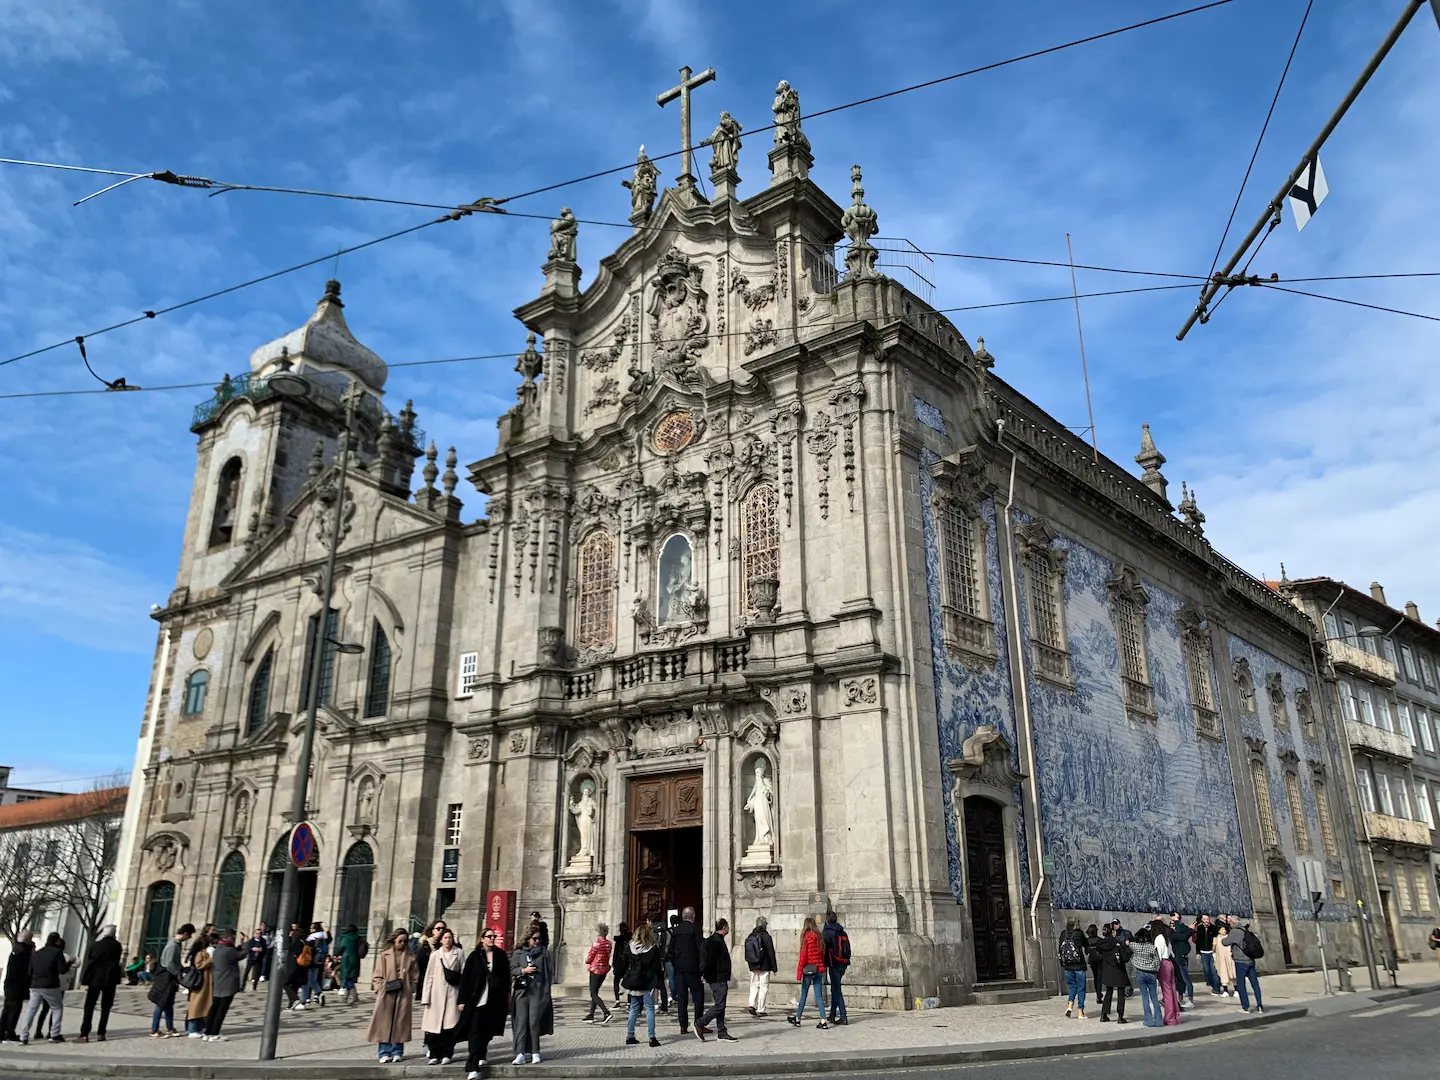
(1307, 427)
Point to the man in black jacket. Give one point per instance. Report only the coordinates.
(760, 959)
(47, 967)
(716, 970)
(17, 986)
(104, 966)
(684, 954)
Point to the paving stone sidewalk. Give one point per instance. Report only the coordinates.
(334, 1035)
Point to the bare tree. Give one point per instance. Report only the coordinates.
(89, 845)
(27, 886)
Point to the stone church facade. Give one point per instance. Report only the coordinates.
(782, 600)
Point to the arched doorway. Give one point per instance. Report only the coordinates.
(229, 891)
(356, 875)
(987, 884)
(304, 913)
(159, 903)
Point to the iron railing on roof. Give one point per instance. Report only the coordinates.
(900, 259)
(256, 388)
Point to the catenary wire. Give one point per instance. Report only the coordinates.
(1220, 247)
(1352, 303)
(218, 187)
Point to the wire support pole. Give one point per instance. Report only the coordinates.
(289, 887)
(1272, 209)
(1084, 368)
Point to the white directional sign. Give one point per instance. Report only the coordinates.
(1308, 192)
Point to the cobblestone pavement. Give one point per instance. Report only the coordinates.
(336, 1032)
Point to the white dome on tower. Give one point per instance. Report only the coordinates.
(323, 344)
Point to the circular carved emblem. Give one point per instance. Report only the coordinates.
(675, 432)
(203, 641)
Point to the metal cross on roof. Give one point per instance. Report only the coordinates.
(682, 92)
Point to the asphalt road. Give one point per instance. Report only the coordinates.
(1397, 1041)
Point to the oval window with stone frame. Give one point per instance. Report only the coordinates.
(674, 432)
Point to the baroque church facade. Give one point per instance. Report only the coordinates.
(782, 601)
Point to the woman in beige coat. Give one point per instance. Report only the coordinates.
(1224, 963)
(394, 986)
(197, 1008)
(440, 994)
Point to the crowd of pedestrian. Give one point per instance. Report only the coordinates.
(1155, 961)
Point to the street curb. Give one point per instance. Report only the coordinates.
(577, 1067)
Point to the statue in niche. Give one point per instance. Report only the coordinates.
(787, 117)
(642, 185)
(675, 580)
(563, 231)
(242, 814)
(365, 801)
(724, 141)
(586, 811)
(761, 806)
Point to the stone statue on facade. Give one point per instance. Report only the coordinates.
(787, 117)
(586, 812)
(642, 186)
(724, 142)
(761, 807)
(563, 231)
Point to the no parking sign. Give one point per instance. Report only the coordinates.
(302, 844)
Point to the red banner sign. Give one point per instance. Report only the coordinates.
(500, 916)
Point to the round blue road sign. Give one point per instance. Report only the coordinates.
(302, 843)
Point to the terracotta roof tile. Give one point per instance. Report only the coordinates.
(77, 807)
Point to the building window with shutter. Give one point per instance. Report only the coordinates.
(1275, 691)
(1402, 711)
(258, 710)
(1044, 569)
(1296, 804)
(1129, 604)
(1269, 835)
(377, 687)
(1195, 643)
(1402, 889)
(453, 817)
(1422, 803)
(1427, 736)
(1327, 824)
(469, 674)
(195, 688)
(596, 608)
(1244, 685)
(759, 546)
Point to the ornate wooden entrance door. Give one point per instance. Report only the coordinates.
(988, 886)
(665, 844)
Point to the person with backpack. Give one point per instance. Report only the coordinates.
(298, 957)
(1073, 949)
(197, 979)
(760, 959)
(1180, 936)
(837, 962)
(1245, 949)
(319, 942)
(644, 975)
(167, 983)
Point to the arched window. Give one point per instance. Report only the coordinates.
(673, 580)
(355, 877)
(259, 708)
(760, 538)
(229, 891)
(327, 660)
(304, 911)
(227, 504)
(195, 687)
(377, 689)
(596, 621)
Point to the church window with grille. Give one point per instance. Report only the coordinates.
(1266, 809)
(967, 627)
(596, 621)
(1128, 606)
(1297, 812)
(377, 688)
(259, 706)
(1327, 824)
(327, 658)
(1045, 598)
(760, 538)
(1202, 690)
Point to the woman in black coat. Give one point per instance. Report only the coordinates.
(1114, 955)
(484, 999)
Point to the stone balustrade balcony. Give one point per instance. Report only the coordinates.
(1397, 830)
(1378, 741)
(658, 671)
(1360, 662)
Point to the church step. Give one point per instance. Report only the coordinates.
(1007, 993)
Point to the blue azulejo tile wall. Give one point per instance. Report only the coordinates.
(966, 696)
(1286, 734)
(1135, 813)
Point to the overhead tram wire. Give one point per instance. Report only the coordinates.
(219, 187)
(1351, 303)
(1274, 100)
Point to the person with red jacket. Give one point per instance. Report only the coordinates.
(597, 962)
(810, 971)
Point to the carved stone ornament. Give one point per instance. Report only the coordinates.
(764, 596)
(961, 477)
(594, 654)
(1125, 585)
(862, 691)
(517, 742)
(755, 297)
(1255, 745)
(759, 879)
(576, 886)
(678, 323)
(790, 700)
(713, 718)
(1194, 623)
(479, 748)
(167, 852)
(664, 734)
(985, 760)
(551, 641)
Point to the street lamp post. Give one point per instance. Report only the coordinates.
(295, 386)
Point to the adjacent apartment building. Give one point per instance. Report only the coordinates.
(1387, 681)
